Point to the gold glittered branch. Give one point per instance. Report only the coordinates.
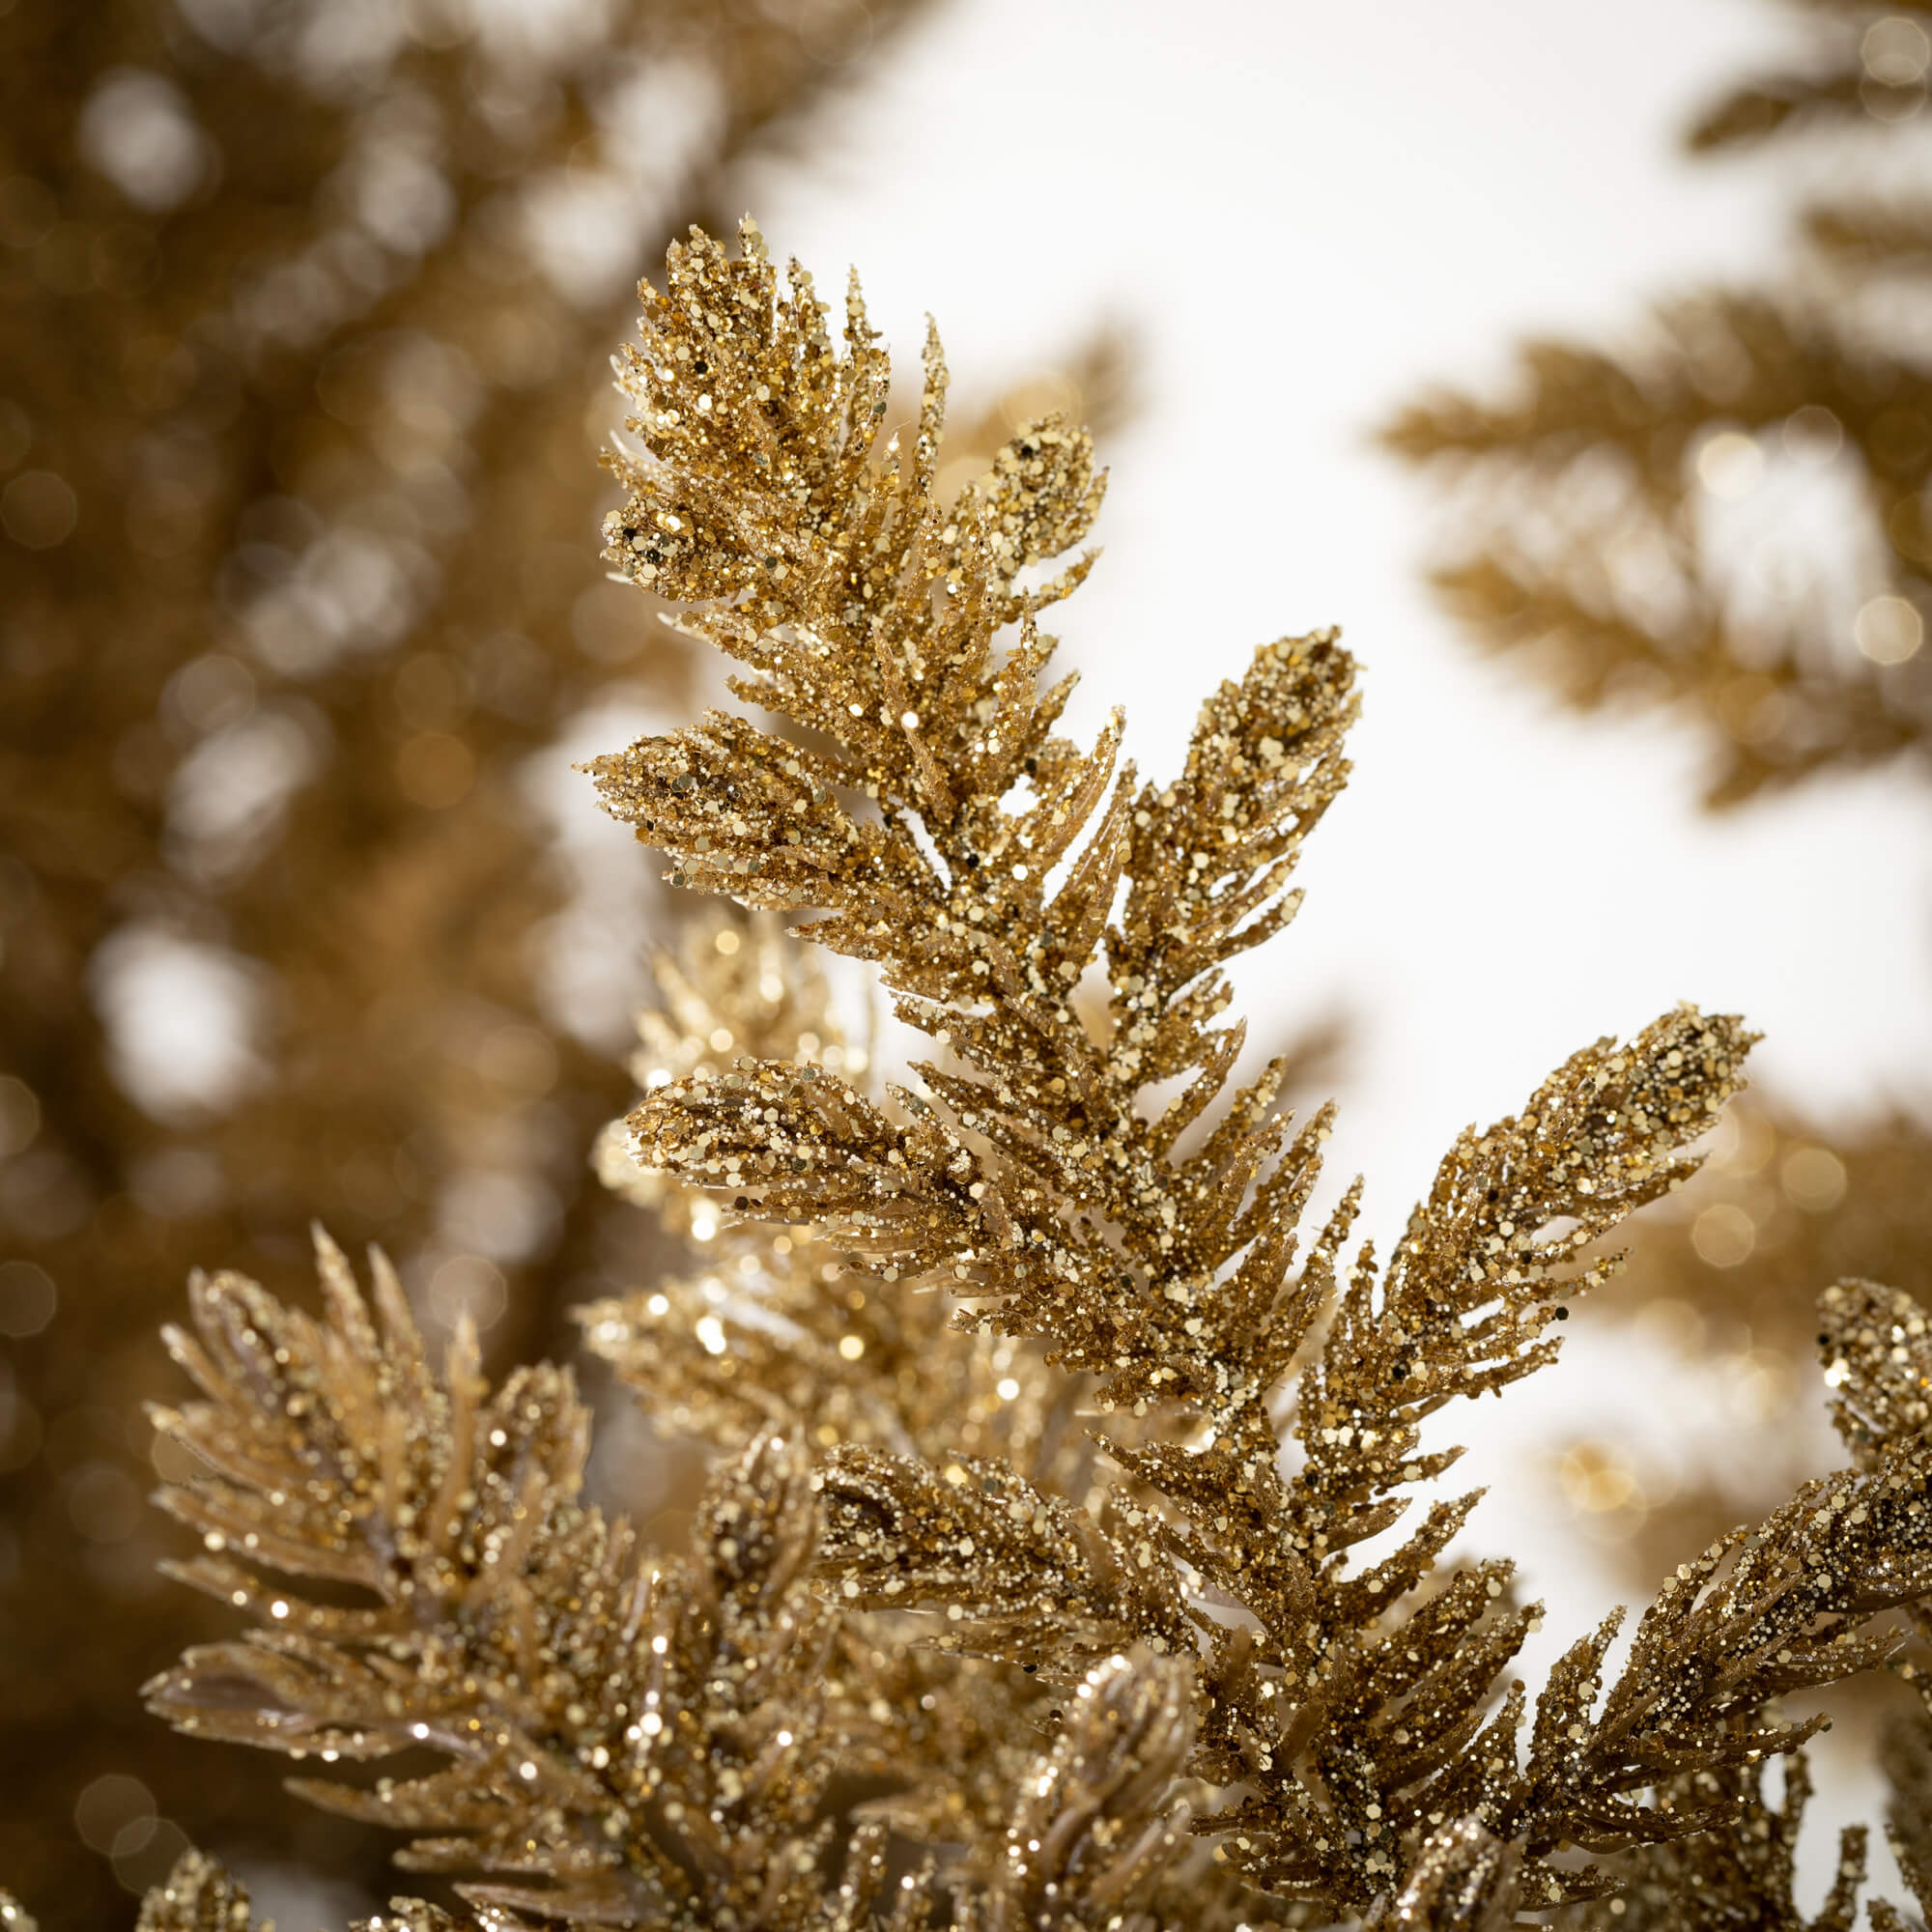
(1078, 1579)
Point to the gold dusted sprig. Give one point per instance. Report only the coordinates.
(1747, 1875)
(774, 1327)
(1121, 1674)
(644, 1737)
(1608, 521)
(1875, 1344)
(1152, 1249)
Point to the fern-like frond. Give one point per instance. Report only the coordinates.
(624, 1736)
(1150, 1245)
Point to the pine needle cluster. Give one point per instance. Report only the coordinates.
(1073, 1557)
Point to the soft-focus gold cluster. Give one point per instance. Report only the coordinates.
(301, 307)
(1724, 511)
(1088, 1606)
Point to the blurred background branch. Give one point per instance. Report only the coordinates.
(1725, 512)
(299, 307)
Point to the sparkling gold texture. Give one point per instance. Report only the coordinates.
(1022, 1175)
(294, 588)
(1079, 1578)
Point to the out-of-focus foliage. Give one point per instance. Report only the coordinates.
(1725, 511)
(300, 305)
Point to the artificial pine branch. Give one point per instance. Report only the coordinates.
(1025, 1179)
(650, 1737)
(1118, 1660)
